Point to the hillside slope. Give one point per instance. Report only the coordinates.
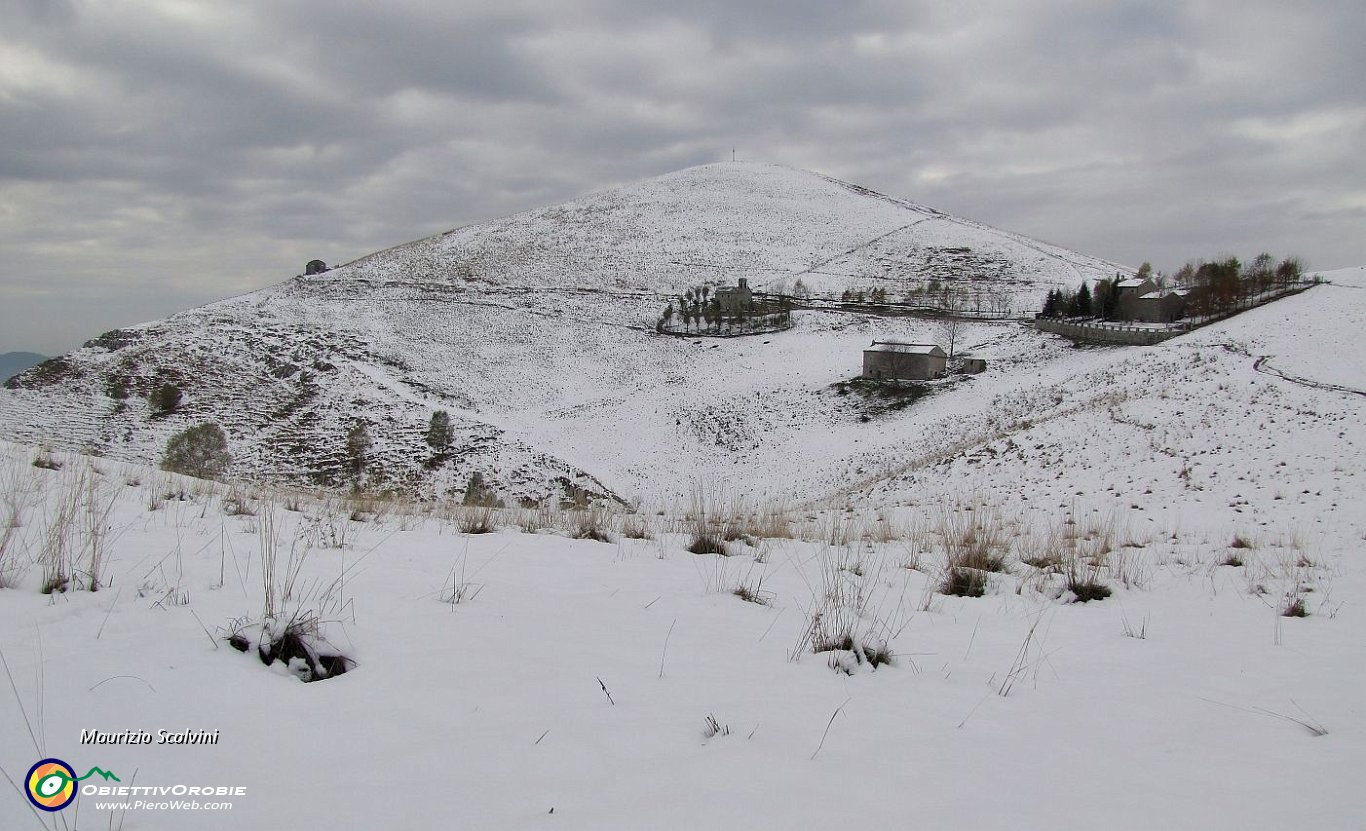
(548, 680)
(535, 333)
(1249, 424)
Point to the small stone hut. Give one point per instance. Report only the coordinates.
(315, 267)
(894, 360)
(971, 365)
(733, 300)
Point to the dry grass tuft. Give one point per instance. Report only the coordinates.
(974, 538)
(479, 520)
(961, 581)
(707, 542)
(753, 594)
(975, 541)
(635, 527)
(590, 524)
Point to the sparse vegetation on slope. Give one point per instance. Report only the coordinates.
(200, 451)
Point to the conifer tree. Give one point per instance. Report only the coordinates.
(1050, 304)
(1081, 304)
(439, 433)
(166, 399)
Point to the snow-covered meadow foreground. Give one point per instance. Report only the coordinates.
(525, 678)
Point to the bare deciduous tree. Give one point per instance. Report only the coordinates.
(951, 326)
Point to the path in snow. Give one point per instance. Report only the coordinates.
(1263, 366)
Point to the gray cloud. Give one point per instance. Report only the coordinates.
(157, 154)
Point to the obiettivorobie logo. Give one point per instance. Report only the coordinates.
(51, 783)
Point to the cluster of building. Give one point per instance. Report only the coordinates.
(1142, 300)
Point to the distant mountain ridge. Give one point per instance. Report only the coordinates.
(13, 363)
(536, 333)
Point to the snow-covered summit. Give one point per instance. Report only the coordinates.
(714, 223)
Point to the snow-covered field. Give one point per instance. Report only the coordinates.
(520, 680)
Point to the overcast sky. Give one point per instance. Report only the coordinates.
(159, 154)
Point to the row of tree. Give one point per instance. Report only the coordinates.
(700, 311)
(696, 307)
(982, 301)
(1083, 303)
(1213, 288)
(876, 295)
(1227, 285)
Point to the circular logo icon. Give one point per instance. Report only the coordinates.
(51, 784)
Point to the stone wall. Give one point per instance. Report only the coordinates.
(1108, 333)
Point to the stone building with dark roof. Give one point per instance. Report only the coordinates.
(1161, 306)
(1130, 291)
(735, 300)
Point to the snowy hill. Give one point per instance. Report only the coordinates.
(522, 677)
(535, 333)
(714, 223)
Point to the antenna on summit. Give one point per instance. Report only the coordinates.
(732, 154)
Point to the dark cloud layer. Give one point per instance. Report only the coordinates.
(156, 154)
